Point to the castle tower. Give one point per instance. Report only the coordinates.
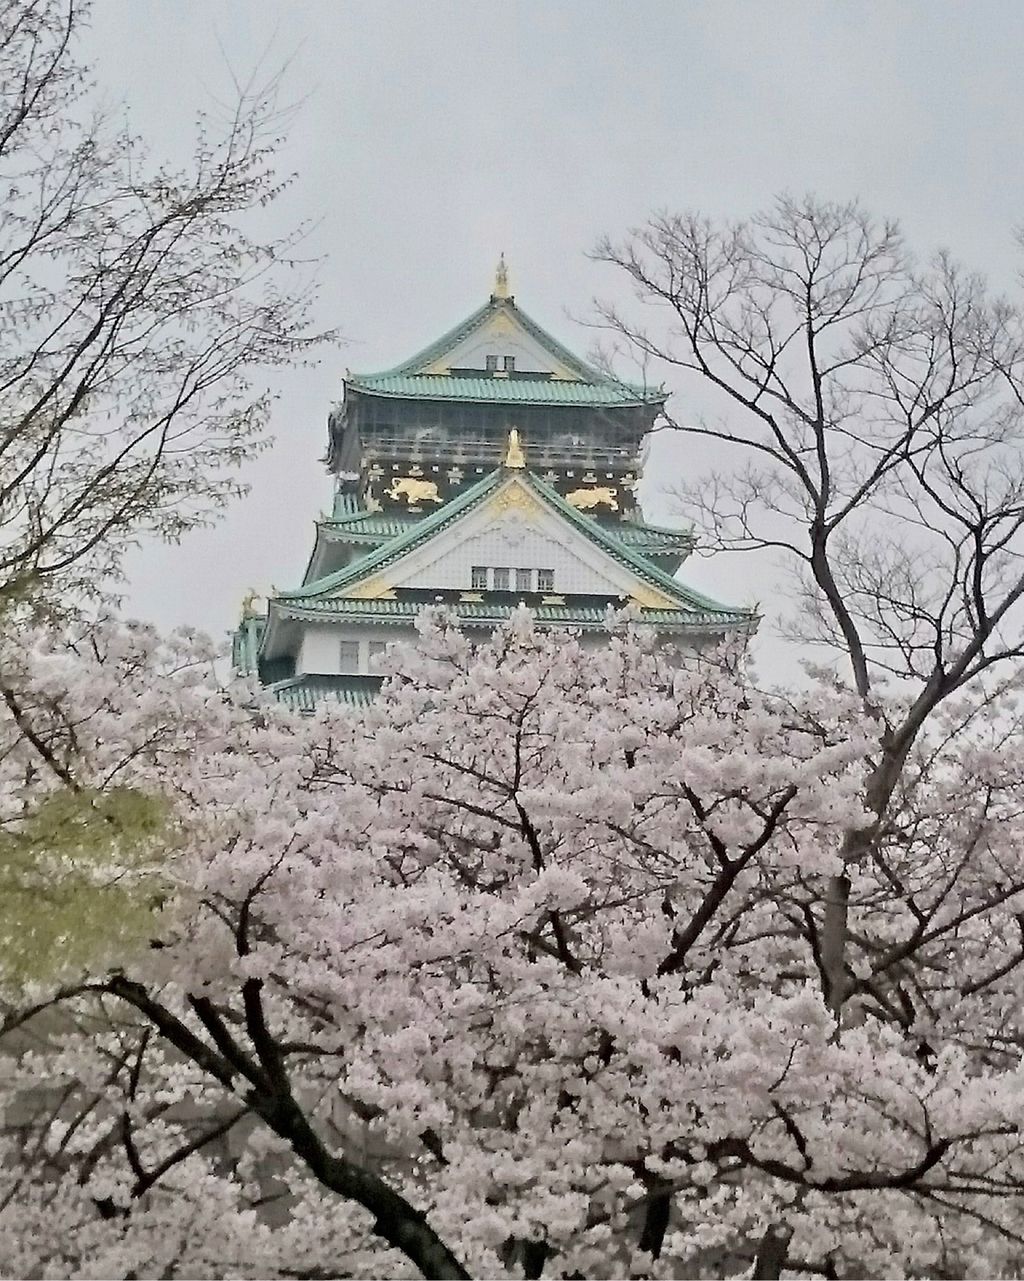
(492, 468)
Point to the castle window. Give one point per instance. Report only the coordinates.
(348, 656)
(492, 364)
(508, 363)
(499, 578)
(374, 651)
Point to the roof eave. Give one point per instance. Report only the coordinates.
(452, 337)
(458, 333)
(636, 398)
(395, 547)
(399, 543)
(685, 624)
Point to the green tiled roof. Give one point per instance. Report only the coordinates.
(376, 525)
(406, 540)
(608, 540)
(375, 528)
(650, 539)
(519, 391)
(361, 526)
(589, 387)
(489, 614)
(438, 520)
(460, 332)
(304, 692)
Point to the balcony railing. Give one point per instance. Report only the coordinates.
(381, 448)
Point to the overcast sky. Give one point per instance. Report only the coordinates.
(433, 135)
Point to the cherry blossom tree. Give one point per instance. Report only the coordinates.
(139, 311)
(870, 428)
(516, 971)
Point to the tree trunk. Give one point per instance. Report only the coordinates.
(771, 1253)
(833, 941)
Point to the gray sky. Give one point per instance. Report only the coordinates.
(432, 135)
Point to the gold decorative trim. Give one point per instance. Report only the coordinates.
(513, 498)
(413, 490)
(514, 456)
(249, 600)
(371, 589)
(596, 496)
(648, 598)
(501, 289)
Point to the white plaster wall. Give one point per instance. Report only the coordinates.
(500, 337)
(536, 539)
(320, 650)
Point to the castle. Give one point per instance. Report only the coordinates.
(491, 469)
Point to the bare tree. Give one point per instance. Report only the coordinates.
(874, 414)
(135, 312)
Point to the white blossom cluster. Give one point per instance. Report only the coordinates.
(515, 972)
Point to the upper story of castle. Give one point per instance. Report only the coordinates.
(412, 437)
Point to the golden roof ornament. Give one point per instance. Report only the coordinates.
(514, 456)
(501, 279)
(249, 604)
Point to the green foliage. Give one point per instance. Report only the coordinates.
(81, 881)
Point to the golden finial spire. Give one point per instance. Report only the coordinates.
(514, 456)
(501, 279)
